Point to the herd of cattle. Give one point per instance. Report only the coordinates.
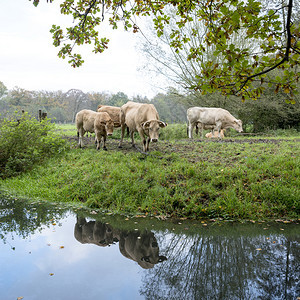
(144, 119)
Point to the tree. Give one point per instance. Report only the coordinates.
(243, 72)
(3, 89)
(98, 98)
(76, 100)
(118, 99)
(3, 100)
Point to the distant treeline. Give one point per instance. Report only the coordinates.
(268, 112)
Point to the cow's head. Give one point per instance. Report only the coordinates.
(152, 127)
(238, 125)
(99, 106)
(142, 248)
(109, 127)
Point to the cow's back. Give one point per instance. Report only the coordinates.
(133, 114)
(209, 115)
(146, 112)
(113, 111)
(84, 116)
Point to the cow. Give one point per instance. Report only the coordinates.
(113, 111)
(209, 135)
(142, 118)
(212, 117)
(94, 232)
(139, 247)
(99, 123)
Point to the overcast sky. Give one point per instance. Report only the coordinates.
(29, 60)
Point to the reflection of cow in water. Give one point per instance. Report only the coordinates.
(140, 247)
(93, 232)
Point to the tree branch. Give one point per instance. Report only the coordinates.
(287, 52)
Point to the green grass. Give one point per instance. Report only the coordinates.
(238, 178)
(66, 129)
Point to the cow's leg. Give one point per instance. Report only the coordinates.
(98, 143)
(141, 133)
(123, 126)
(191, 128)
(104, 143)
(147, 144)
(197, 129)
(218, 128)
(132, 138)
(80, 134)
(97, 140)
(201, 126)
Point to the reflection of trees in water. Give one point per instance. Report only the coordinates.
(222, 267)
(22, 218)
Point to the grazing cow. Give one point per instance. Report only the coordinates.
(113, 111)
(140, 247)
(99, 123)
(209, 135)
(142, 118)
(215, 118)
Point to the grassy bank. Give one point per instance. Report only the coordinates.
(237, 178)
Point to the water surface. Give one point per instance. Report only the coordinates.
(55, 252)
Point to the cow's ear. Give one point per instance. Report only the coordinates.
(162, 124)
(146, 125)
(161, 258)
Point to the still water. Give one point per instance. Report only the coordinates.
(56, 252)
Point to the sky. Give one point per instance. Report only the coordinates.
(28, 59)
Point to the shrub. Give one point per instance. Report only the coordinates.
(25, 142)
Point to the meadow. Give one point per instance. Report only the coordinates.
(241, 177)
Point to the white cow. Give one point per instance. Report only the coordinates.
(212, 117)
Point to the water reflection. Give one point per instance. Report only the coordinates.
(141, 247)
(226, 261)
(227, 266)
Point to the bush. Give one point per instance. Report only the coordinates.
(25, 142)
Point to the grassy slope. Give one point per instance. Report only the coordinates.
(234, 179)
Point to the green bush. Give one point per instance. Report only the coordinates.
(24, 142)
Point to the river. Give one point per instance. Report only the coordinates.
(54, 251)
